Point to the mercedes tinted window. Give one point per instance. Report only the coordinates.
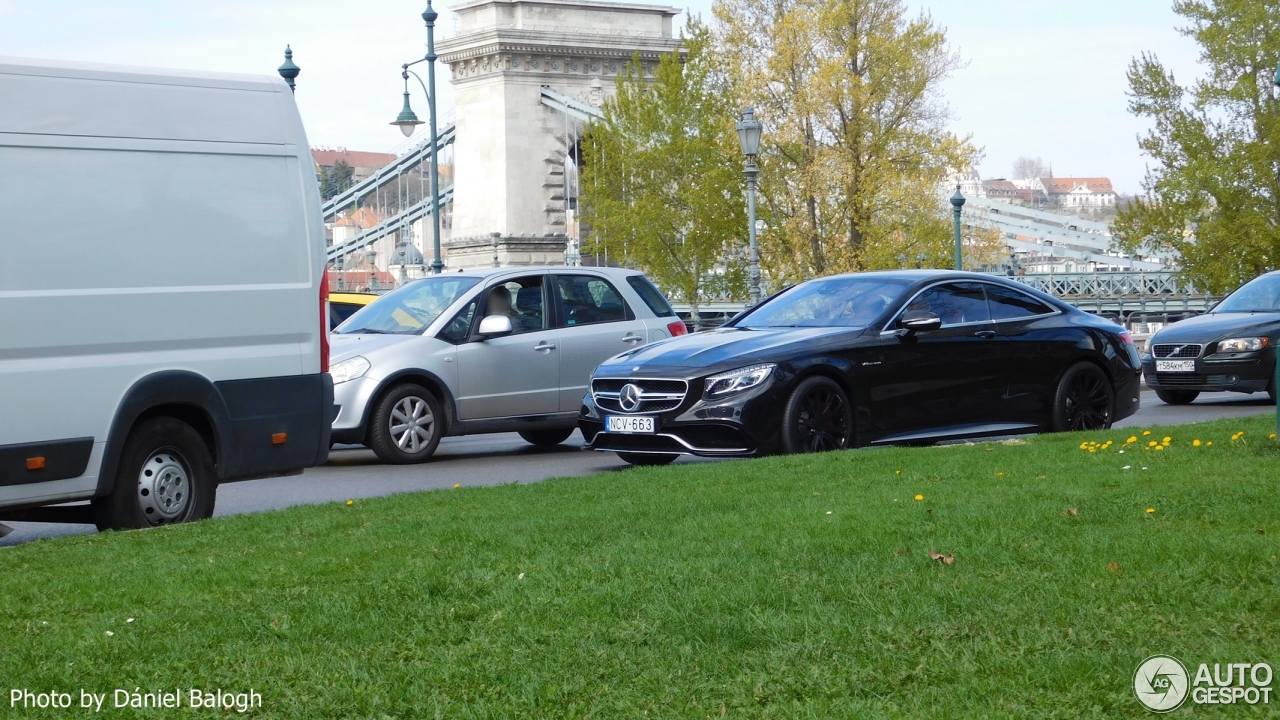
(955, 303)
(1007, 303)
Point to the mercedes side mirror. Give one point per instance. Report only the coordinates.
(919, 321)
(495, 325)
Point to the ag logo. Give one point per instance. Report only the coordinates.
(629, 397)
(1160, 683)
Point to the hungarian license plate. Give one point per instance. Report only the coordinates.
(628, 425)
(1175, 366)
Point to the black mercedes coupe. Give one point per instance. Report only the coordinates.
(1232, 347)
(900, 357)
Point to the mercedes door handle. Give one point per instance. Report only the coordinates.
(544, 346)
(632, 338)
(985, 334)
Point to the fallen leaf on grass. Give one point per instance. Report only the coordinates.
(1072, 512)
(900, 551)
(944, 559)
(1114, 567)
(928, 511)
(1261, 531)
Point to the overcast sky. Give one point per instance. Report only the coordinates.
(1041, 79)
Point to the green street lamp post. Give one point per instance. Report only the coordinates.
(749, 131)
(957, 202)
(1276, 81)
(407, 121)
(288, 70)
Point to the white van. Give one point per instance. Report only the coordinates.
(162, 291)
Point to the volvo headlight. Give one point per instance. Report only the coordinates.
(349, 369)
(737, 380)
(1249, 344)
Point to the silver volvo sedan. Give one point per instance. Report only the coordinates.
(483, 351)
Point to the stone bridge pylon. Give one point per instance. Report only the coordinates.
(526, 75)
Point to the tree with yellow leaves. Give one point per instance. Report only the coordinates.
(855, 148)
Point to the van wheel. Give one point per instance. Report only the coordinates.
(546, 438)
(642, 459)
(406, 425)
(1084, 400)
(165, 476)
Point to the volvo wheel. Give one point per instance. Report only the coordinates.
(1084, 401)
(817, 418)
(166, 476)
(405, 426)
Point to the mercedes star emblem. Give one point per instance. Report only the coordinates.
(629, 397)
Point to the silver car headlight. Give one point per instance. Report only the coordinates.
(737, 380)
(349, 369)
(1248, 344)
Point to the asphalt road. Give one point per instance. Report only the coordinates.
(505, 458)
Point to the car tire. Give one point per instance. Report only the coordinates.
(545, 438)
(1177, 397)
(1084, 400)
(645, 459)
(406, 425)
(165, 476)
(817, 417)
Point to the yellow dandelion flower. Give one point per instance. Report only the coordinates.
(1166, 439)
(1272, 436)
(1209, 444)
(457, 485)
(351, 502)
(1084, 446)
(1093, 449)
(1153, 443)
(1146, 432)
(1151, 511)
(1159, 447)
(1196, 442)
(919, 497)
(897, 472)
(1132, 439)
(999, 474)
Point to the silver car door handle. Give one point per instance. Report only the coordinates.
(544, 346)
(632, 338)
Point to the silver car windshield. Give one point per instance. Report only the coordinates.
(1261, 294)
(409, 309)
(833, 302)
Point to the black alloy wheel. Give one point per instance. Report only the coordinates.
(817, 418)
(1084, 400)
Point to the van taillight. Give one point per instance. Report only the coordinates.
(324, 321)
(677, 328)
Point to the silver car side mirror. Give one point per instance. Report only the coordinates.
(495, 325)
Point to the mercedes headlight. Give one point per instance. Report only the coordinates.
(1249, 344)
(737, 380)
(349, 369)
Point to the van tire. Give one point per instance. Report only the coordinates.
(412, 401)
(166, 476)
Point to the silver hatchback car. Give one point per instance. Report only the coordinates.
(497, 350)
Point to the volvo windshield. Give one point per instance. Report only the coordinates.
(1262, 294)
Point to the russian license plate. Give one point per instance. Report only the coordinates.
(1175, 366)
(628, 425)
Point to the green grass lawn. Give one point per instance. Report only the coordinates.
(782, 587)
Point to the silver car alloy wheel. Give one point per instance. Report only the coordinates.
(412, 424)
(164, 487)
